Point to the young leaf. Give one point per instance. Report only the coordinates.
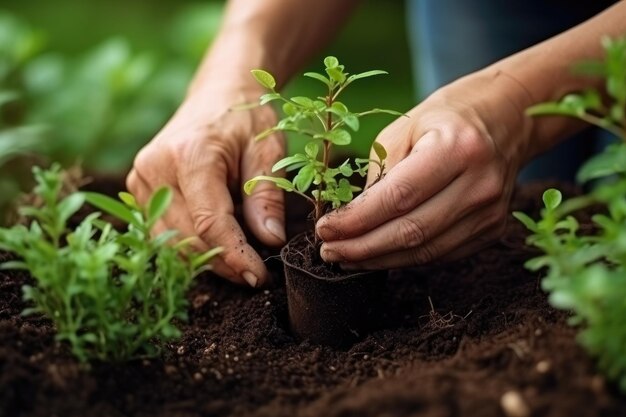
(526, 220)
(366, 74)
(337, 137)
(312, 149)
(331, 62)
(283, 183)
(266, 98)
(304, 178)
(352, 121)
(70, 205)
(290, 160)
(380, 151)
(158, 204)
(318, 77)
(112, 207)
(552, 198)
(129, 200)
(264, 78)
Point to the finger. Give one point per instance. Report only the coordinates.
(211, 216)
(428, 169)
(465, 234)
(409, 231)
(264, 209)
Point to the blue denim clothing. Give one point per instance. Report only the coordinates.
(452, 38)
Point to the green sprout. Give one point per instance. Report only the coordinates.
(326, 122)
(586, 271)
(111, 295)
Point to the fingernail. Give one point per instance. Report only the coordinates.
(275, 227)
(250, 278)
(329, 255)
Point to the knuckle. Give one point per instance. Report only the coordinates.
(204, 223)
(131, 182)
(410, 233)
(474, 146)
(424, 254)
(400, 197)
(492, 188)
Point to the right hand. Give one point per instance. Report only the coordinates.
(204, 153)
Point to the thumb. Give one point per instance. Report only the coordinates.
(264, 209)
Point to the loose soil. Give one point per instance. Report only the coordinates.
(456, 337)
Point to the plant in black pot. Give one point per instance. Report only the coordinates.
(326, 305)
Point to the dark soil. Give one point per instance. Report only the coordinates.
(456, 337)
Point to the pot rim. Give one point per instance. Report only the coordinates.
(315, 276)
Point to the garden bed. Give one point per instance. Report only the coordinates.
(456, 338)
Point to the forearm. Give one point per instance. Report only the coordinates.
(544, 73)
(275, 35)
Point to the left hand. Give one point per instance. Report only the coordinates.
(452, 166)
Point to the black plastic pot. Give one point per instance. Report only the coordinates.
(330, 309)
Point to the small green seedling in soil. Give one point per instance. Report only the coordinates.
(326, 122)
(586, 268)
(111, 295)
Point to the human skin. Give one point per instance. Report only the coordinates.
(451, 165)
(453, 162)
(206, 150)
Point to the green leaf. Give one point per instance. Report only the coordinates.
(552, 198)
(304, 178)
(380, 151)
(352, 121)
(611, 161)
(318, 77)
(331, 62)
(206, 257)
(264, 78)
(526, 220)
(70, 205)
(282, 183)
(158, 204)
(366, 74)
(303, 101)
(13, 265)
(312, 149)
(337, 137)
(339, 108)
(290, 109)
(344, 191)
(129, 200)
(266, 98)
(112, 207)
(290, 160)
(336, 74)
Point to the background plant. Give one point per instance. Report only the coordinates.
(111, 295)
(586, 268)
(325, 122)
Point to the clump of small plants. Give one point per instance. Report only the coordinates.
(111, 295)
(586, 269)
(325, 122)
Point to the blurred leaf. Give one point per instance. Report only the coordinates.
(264, 78)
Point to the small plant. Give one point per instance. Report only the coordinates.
(586, 269)
(326, 122)
(111, 295)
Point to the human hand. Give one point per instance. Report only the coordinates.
(203, 153)
(451, 170)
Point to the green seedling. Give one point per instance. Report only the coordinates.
(325, 122)
(586, 269)
(111, 295)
